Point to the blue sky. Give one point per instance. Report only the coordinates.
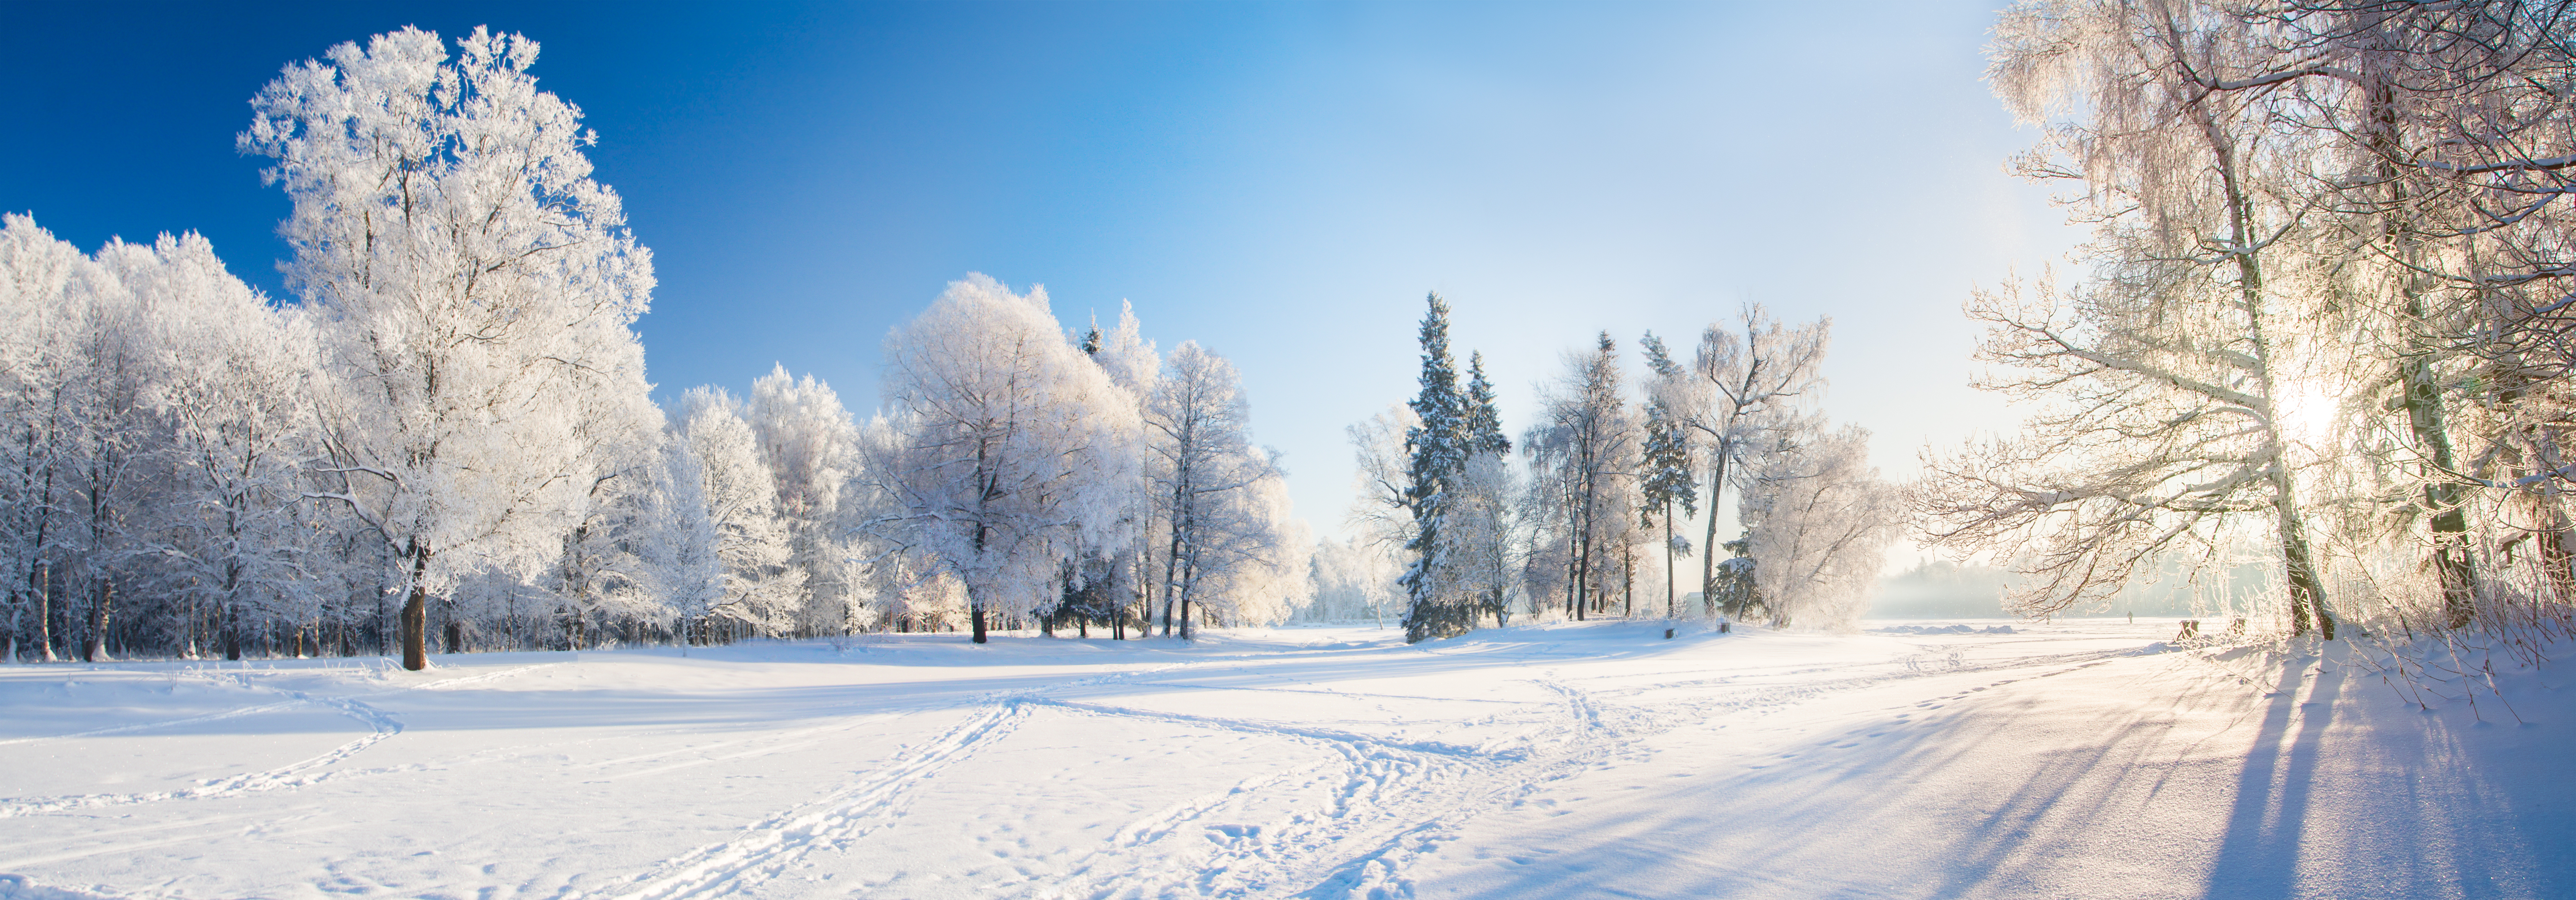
(1281, 182)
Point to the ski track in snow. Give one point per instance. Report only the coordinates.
(766, 849)
(381, 726)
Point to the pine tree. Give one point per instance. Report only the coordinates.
(1438, 447)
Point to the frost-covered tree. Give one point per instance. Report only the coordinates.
(600, 577)
(1355, 580)
(472, 284)
(1485, 535)
(111, 431)
(1381, 510)
(1585, 449)
(761, 585)
(2445, 134)
(1226, 535)
(1668, 467)
(1112, 578)
(679, 547)
(44, 286)
(1818, 521)
(1747, 374)
(2166, 375)
(1002, 448)
(231, 381)
(810, 447)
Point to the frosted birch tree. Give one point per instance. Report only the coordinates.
(2161, 378)
(470, 280)
(680, 546)
(110, 432)
(42, 283)
(1744, 374)
(1123, 574)
(2447, 136)
(761, 585)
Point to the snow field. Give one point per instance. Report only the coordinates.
(2082, 758)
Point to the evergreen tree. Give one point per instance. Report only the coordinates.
(1668, 477)
(1438, 447)
(1484, 420)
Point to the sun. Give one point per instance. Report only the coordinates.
(2306, 411)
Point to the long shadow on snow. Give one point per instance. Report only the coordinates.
(1968, 806)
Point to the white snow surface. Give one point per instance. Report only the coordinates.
(2074, 759)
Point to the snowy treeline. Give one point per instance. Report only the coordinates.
(1588, 521)
(447, 440)
(2323, 312)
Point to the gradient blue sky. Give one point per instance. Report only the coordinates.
(1281, 182)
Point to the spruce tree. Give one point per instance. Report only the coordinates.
(1438, 447)
(1484, 420)
(1484, 436)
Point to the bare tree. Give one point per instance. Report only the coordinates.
(1745, 373)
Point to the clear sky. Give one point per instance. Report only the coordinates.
(1280, 182)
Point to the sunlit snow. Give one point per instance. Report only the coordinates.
(2081, 758)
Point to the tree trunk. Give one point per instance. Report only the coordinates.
(45, 609)
(2307, 591)
(975, 611)
(94, 646)
(1669, 595)
(1582, 568)
(2425, 416)
(1708, 548)
(415, 614)
(232, 632)
(1627, 580)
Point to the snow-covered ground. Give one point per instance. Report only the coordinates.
(2075, 759)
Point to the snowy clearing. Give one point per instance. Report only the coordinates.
(2081, 758)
